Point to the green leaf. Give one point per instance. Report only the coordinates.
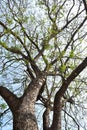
(54, 8)
(14, 50)
(47, 46)
(26, 19)
(3, 44)
(3, 106)
(10, 21)
(72, 54)
(32, 18)
(40, 2)
(45, 59)
(62, 53)
(69, 128)
(63, 68)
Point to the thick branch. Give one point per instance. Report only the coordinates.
(46, 120)
(10, 98)
(41, 91)
(60, 93)
(31, 93)
(72, 76)
(56, 124)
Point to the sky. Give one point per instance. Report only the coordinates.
(9, 127)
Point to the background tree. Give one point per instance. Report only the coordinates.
(42, 53)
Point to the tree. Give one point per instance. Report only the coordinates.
(43, 50)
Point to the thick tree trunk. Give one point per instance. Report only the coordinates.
(23, 108)
(24, 120)
(24, 117)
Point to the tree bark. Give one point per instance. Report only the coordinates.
(10, 98)
(46, 119)
(23, 109)
(24, 120)
(56, 124)
(24, 117)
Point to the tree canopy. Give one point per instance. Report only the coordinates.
(46, 37)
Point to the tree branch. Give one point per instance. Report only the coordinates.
(10, 98)
(46, 120)
(17, 51)
(72, 76)
(72, 119)
(1, 114)
(13, 33)
(60, 93)
(85, 5)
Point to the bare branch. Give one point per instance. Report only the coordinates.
(85, 5)
(72, 119)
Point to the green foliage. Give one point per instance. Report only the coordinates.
(72, 54)
(54, 9)
(11, 49)
(26, 19)
(62, 68)
(10, 21)
(3, 106)
(32, 18)
(47, 46)
(3, 44)
(6, 31)
(40, 2)
(14, 50)
(36, 35)
(45, 59)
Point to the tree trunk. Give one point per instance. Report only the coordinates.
(24, 120)
(24, 117)
(23, 108)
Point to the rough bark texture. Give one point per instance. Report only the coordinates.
(56, 125)
(23, 108)
(10, 98)
(46, 119)
(24, 118)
